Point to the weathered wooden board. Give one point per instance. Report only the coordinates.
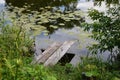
(47, 53)
(59, 53)
(75, 60)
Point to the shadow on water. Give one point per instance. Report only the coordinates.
(66, 58)
(68, 4)
(36, 4)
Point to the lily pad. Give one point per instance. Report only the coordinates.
(71, 15)
(67, 20)
(59, 11)
(44, 20)
(67, 12)
(51, 20)
(48, 7)
(77, 19)
(52, 26)
(39, 23)
(46, 34)
(61, 24)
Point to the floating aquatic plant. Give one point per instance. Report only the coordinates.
(53, 19)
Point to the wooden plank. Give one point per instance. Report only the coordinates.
(57, 55)
(75, 60)
(47, 53)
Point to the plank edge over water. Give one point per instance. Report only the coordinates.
(47, 53)
(59, 53)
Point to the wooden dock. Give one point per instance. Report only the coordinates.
(53, 53)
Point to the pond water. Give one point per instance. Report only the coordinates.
(71, 30)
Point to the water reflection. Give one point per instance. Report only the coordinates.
(101, 5)
(2, 1)
(108, 2)
(68, 24)
(2, 4)
(36, 4)
(63, 4)
(48, 6)
(84, 6)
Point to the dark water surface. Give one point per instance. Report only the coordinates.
(71, 30)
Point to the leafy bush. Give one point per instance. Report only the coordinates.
(92, 68)
(106, 30)
(66, 72)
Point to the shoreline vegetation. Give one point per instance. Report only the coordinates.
(16, 53)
